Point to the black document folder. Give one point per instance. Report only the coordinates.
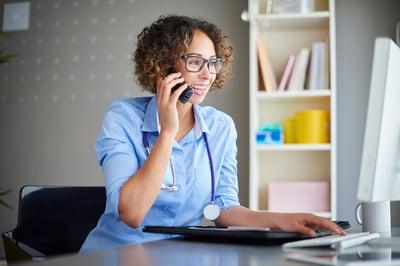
(240, 235)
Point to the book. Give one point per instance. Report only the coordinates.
(268, 8)
(297, 78)
(315, 67)
(318, 77)
(265, 7)
(262, 6)
(324, 52)
(287, 70)
(267, 72)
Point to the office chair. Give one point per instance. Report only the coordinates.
(53, 221)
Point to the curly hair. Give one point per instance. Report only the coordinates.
(160, 45)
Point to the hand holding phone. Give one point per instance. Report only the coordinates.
(186, 94)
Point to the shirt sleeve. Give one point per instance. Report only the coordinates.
(115, 154)
(226, 195)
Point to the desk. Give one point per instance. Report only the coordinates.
(177, 252)
(185, 253)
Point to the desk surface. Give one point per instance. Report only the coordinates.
(177, 252)
(181, 252)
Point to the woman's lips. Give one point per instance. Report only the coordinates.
(199, 90)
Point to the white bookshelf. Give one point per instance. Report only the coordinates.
(286, 34)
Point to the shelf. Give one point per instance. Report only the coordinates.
(293, 147)
(313, 20)
(301, 95)
(286, 34)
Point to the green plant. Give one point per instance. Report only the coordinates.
(3, 193)
(5, 58)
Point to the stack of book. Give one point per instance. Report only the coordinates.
(308, 69)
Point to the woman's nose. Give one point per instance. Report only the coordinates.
(205, 72)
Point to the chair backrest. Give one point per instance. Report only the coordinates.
(57, 220)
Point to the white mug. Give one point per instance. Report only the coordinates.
(375, 217)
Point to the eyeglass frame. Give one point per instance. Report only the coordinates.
(205, 61)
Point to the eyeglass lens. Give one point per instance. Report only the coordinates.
(195, 64)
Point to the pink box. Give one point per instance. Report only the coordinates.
(298, 196)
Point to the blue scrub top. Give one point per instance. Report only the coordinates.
(121, 152)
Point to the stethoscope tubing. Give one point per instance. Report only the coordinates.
(211, 169)
(167, 188)
(173, 187)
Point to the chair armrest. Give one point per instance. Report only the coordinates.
(18, 251)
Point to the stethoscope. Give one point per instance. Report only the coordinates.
(211, 211)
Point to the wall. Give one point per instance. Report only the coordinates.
(74, 60)
(358, 23)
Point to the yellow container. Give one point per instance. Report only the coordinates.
(289, 130)
(312, 126)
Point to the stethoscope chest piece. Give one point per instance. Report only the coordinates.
(211, 211)
(169, 188)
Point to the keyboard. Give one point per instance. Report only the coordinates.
(334, 241)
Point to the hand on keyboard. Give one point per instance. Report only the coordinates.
(342, 224)
(304, 223)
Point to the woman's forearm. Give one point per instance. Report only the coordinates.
(139, 192)
(240, 215)
(304, 223)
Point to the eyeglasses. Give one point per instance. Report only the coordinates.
(195, 63)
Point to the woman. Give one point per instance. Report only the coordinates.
(187, 150)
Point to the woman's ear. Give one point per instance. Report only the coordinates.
(171, 70)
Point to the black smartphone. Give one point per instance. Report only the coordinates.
(186, 94)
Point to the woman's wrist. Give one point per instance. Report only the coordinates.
(274, 218)
(170, 136)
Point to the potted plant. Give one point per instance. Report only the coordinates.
(5, 58)
(3, 202)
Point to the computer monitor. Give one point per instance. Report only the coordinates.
(379, 181)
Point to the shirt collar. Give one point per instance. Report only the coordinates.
(151, 121)
(200, 125)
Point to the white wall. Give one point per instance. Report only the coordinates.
(358, 23)
(73, 62)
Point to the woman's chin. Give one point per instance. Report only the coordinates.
(195, 99)
(198, 96)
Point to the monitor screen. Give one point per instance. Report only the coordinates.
(380, 164)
